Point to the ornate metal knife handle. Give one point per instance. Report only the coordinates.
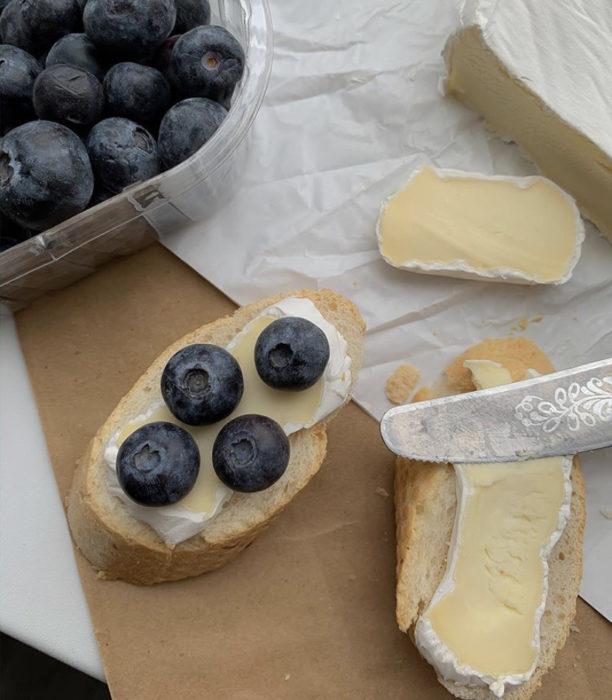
(586, 404)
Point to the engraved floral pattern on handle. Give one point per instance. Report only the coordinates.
(588, 404)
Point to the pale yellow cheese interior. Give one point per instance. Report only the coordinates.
(562, 152)
(509, 516)
(480, 223)
(295, 407)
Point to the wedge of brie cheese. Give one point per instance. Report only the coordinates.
(538, 74)
(525, 230)
(482, 626)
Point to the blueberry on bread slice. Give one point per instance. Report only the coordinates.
(253, 392)
(489, 557)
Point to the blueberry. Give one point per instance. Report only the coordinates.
(18, 71)
(69, 95)
(186, 127)
(250, 453)
(137, 92)
(122, 153)
(47, 20)
(11, 234)
(202, 384)
(190, 14)
(45, 175)
(207, 62)
(291, 353)
(13, 30)
(158, 464)
(77, 50)
(129, 28)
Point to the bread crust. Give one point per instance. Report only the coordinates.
(119, 546)
(425, 507)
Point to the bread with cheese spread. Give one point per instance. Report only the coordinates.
(120, 546)
(425, 506)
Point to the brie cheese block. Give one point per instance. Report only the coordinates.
(525, 230)
(482, 626)
(538, 72)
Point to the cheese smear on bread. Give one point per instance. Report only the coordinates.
(482, 626)
(524, 230)
(293, 410)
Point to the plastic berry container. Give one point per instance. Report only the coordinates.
(192, 190)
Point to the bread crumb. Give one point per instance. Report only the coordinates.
(574, 628)
(382, 492)
(606, 512)
(287, 676)
(523, 323)
(516, 354)
(352, 577)
(423, 394)
(537, 319)
(402, 383)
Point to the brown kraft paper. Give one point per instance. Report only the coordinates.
(308, 610)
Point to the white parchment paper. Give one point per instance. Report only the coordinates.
(353, 107)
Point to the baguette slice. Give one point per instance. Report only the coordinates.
(119, 546)
(425, 506)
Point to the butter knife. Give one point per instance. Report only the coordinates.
(563, 413)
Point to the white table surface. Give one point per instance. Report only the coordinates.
(41, 600)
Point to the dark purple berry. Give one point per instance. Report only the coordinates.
(45, 175)
(158, 464)
(291, 353)
(186, 127)
(250, 453)
(69, 95)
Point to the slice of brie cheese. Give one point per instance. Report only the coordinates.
(538, 74)
(293, 410)
(524, 230)
(482, 626)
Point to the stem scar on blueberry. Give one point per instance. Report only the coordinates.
(281, 355)
(147, 459)
(196, 381)
(211, 61)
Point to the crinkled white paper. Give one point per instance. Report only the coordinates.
(352, 108)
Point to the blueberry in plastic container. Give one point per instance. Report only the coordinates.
(69, 95)
(129, 28)
(291, 353)
(47, 20)
(18, 71)
(77, 50)
(250, 453)
(137, 92)
(207, 62)
(202, 384)
(121, 153)
(186, 127)
(158, 464)
(13, 30)
(45, 175)
(190, 14)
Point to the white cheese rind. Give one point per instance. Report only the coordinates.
(461, 268)
(538, 74)
(441, 656)
(175, 523)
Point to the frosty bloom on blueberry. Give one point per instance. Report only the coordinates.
(45, 175)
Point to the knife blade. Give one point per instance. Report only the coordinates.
(563, 413)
